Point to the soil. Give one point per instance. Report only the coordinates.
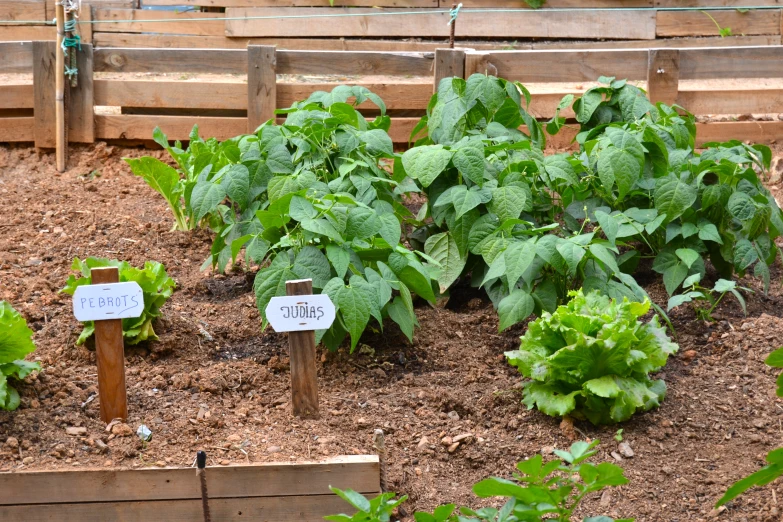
(214, 381)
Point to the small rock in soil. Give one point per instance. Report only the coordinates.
(453, 447)
(547, 450)
(453, 415)
(273, 449)
(102, 447)
(446, 441)
(616, 456)
(73, 430)
(688, 356)
(225, 462)
(463, 437)
(122, 430)
(12, 442)
(28, 460)
(423, 443)
(625, 450)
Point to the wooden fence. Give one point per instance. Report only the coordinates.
(236, 24)
(114, 101)
(268, 492)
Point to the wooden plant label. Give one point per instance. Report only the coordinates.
(107, 302)
(301, 313)
(298, 313)
(112, 301)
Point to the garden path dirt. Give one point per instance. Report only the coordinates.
(214, 381)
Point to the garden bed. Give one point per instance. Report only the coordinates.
(214, 381)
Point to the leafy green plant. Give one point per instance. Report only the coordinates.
(696, 292)
(722, 31)
(592, 358)
(491, 211)
(774, 467)
(378, 509)
(16, 341)
(155, 284)
(539, 491)
(653, 195)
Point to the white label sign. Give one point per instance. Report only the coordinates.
(109, 301)
(300, 312)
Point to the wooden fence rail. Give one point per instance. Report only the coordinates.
(246, 86)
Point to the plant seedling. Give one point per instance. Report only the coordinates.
(697, 292)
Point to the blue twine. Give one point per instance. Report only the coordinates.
(453, 13)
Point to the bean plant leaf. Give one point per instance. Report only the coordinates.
(514, 308)
(426, 163)
(443, 249)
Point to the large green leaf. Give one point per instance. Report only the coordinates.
(443, 249)
(508, 202)
(514, 308)
(426, 163)
(206, 197)
(673, 197)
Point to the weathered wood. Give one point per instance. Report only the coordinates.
(478, 62)
(301, 346)
(16, 57)
(16, 96)
(268, 509)
(550, 4)
(358, 472)
(81, 121)
(355, 63)
(297, 3)
(752, 131)
(731, 62)
(519, 24)
(572, 66)
(44, 59)
(341, 44)
(732, 101)
(716, 3)
(85, 25)
(697, 23)
(122, 4)
(663, 75)
(448, 63)
(215, 61)
(110, 355)
(188, 22)
(13, 33)
(26, 10)
(17, 129)
(261, 85)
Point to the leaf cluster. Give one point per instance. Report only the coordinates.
(16, 341)
(592, 358)
(156, 288)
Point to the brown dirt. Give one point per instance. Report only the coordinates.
(230, 395)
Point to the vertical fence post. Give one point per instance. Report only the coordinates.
(44, 60)
(663, 75)
(110, 354)
(448, 63)
(478, 62)
(261, 85)
(85, 24)
(301, 344)
(81, 114)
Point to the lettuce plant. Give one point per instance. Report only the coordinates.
(155, 284)
(16, 341)
(592, 358)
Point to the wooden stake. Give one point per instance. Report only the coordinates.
(304, 379)
(59, 93)
(453, 28)
(110, 349)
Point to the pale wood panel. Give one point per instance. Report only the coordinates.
(10, 33)
(139, 127)
(732, 101)
(520, 4)
(567, 66)
(28, 10)
(448, 62)
(267, 509)
(261, 89)
(81, 123)
(697, 23)
(16, 57)
(144, 22)
(16, 96)
(17, 130)
(215, 61)
(334, 44)
(359, 472)
(521, 24)
(716, 3)
(663, 75)
(297, 3)
(355, 63)
(753, 131)
(43, 92)
(731, 62)
(124, 4)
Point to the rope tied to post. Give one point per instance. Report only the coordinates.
(454, 12)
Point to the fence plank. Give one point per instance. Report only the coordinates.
(12, 33)
(143, 22)
(269, 509)
(697, 23)
(731, 62)
(261, 85)
(550, 4)
(297, 3)
(16, 57)
(81, 121)
(43, 88)
(16, 96)
(716, 3)
(216, 61)
(355, 63)
(17, 129)
(85, 27)
(663, 75)
(22, 10)
(519, 24)
(448, 62)
(732, 101)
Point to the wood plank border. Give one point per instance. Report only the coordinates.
(212, 61)
(16, 57)
(298, 3)
(17, 129)
(612, 25)
(180, 23)
(22, 10)
(699, 23)
(43, 89)
(16, 96)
